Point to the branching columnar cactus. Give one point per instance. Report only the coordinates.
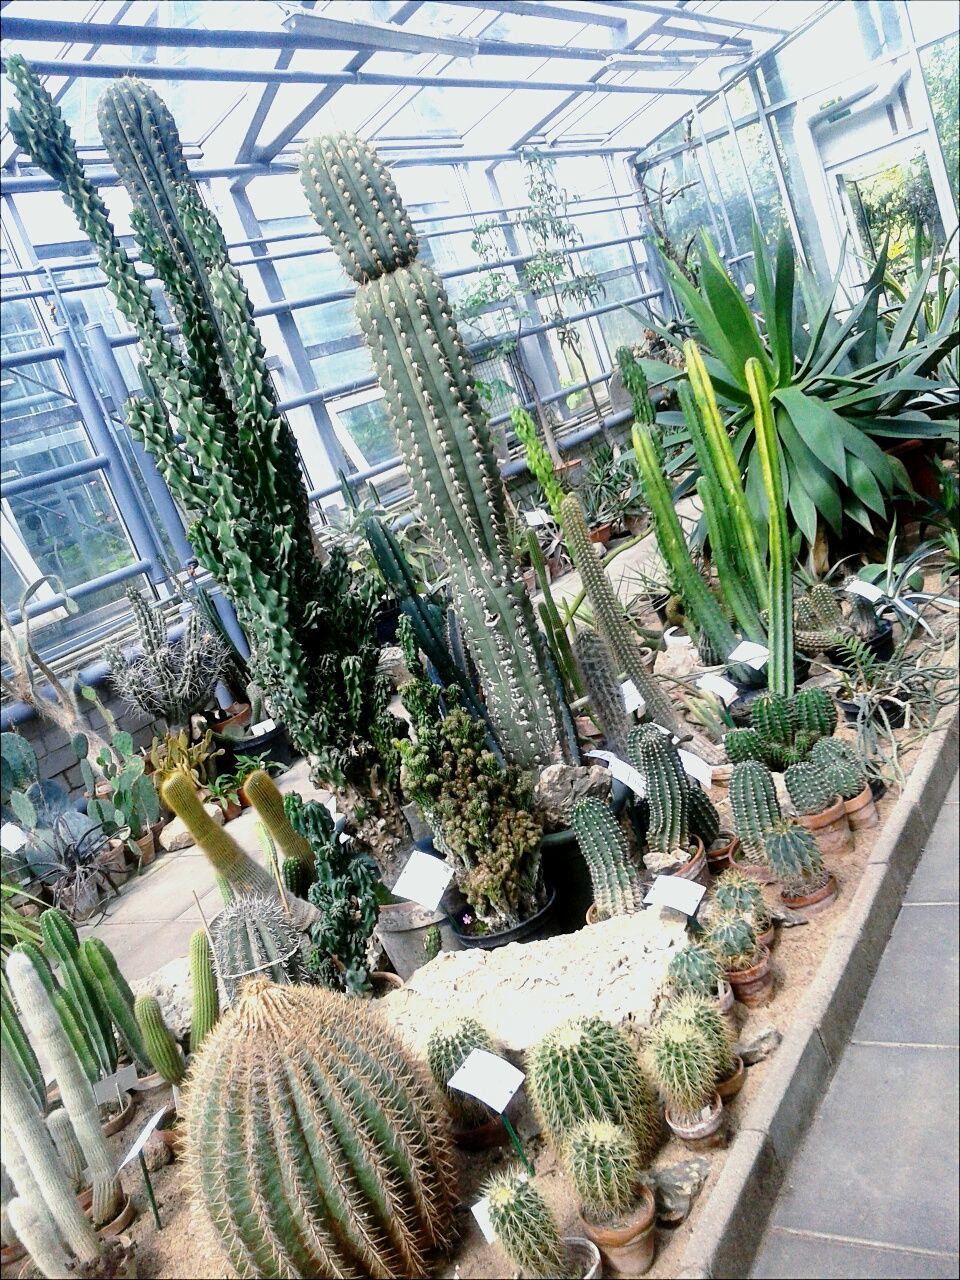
(783, 729)
(841, 766)
(684, 1065)
(523, 1224)
(163, 1050)
(227, 858)
(539, 462)
(704, 1014)
(737, 894)
(448, 1048)
(588, 1069)
(604, 1165)
(62, 944)
(598, 671)
(694, 969)
(252, 937)
(103, 973)
(211, 421)
(20, 1051)
(205, 1004)
(753, 800)
(668, 795)
(809, 789)
(441, 428)
(734, 942)
(305, 1113)
(616, 887)
(794, 857)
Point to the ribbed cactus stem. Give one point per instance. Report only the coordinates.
(809, 789)
(841, 765)
(816, 712)
(315, 1145)
(694, 969)
(264, 794)
(448, 1048)
(524, 1225)
(703, 818)
(45, 1028)
(30, 1139)
(252, 938)
(227, 858)
(601, 680)
(205, 1004)
(63, 946)
(737, 894)
(733, 941)
(774, 717)
(98, 961)
(163, 1049)
(753, 800)
(704, 1014)
(668, 792)
(20, 1050)
(68, 1148)
(616, 887)
(684, 1066)
(37, 1232)
(605, 1166)
(793, 854)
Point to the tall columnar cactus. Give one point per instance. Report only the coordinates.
(68, 1147)
(210, 419)
(103, 973)
(612, 624)
(162, 1048)
(604, 1165)
(63, 946)
(601, 680)
(668, 794)
(588, 1069)
(20, 1051)
(539, 462)
(36, 1230)
(205, 1003)
(448, 1048)
(45, 1029)
(794, 856)
(252, 937)
(636, 386)
(841, 765)
(733, 941)
(704, 1014)
(816, 712)
(703, 818)
(684, 1065)
(809, 788)
(523, 1224)
(616, 887)
(753, 799)
(694, 969)
(441, 428)
(304, 1113)
(67, 1010)
(264, 794)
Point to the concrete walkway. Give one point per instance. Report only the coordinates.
(873, 1190)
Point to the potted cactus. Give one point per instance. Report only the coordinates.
(700, 1012)
(695, 968)
(617, 1212)
(449, 1046)
(527, 1232)
(671, 847)
(740, 895)
(745, 963)
(685, 1066)
(819, 807)
(783, 730)
(845, 773)
(807, 886)
(753, 800)
(616, 885)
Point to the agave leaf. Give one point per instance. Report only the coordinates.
(732, 313)
(819, 481)
(817, 426)
(784, 288)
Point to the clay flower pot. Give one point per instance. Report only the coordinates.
(768, 937)
(122, 1118)
(721, 856)
(754, 986)
(601, 533)
(581, 1258)
(121, 1221)
(816, 900)
(758, 871)
(146, 847)
(861, 810)
(628, 1248)
(696, 868)
(729, 1088)
(831, 828)
(703, 1132)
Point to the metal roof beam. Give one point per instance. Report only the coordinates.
(594, 17)
(694, 15)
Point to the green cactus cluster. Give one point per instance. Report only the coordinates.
(616, 886)
(734, 893)
(783, 730)
(346, 897)
(253, 937)
(653, 755)
(794, 857)
(604, 1166)
(818, 619)
(754, 804)
(448, 1048)
(601, 680)
(86, 1016)
(733, 941)
(809, 788)
(105, 980)
(585, 1069)
(694, 969)
(841, 766)
(523, 1224)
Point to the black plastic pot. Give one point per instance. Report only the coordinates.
(895, 712)
(538, 926)
(565, 871)
(274, 745)
(880, 645)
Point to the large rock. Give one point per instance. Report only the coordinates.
(560, 786)
(174, 991)
(175, 834)
(520, 992)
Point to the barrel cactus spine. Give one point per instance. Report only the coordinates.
(841, 766)
(684, 1066)
(524, 1225)
(734, 942)
(753, 800)
(252, 937)
(605, 1167)
(616, 887)
(205, 1003)
(809, 789)
(694, 969)
(309, 1082)
(162, 1048)
(99, 964)
(704, 1014)
(448, 1048)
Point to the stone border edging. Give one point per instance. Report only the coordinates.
(733, 1219)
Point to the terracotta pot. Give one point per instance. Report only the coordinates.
(120, 1222)
(156, 828)
(240, 717)
(581, 1258)
(831, 829)
(719, 859)
(482, 1136)
(10, 1253)
(530, 580)
(696, 868)
(702, 1134)
(729, 1088)
(811, 903)
(231, 810)
(768, 937)
(170, 1132)
(627, 1249)
(754, 986)
(385, 981)
(146, 848)
(601, 533)
(861, 810)
(122, 1118)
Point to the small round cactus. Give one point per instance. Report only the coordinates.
(695, 969)
(704, 1013)
(524, 1225)
(809, 788)
(841, 765)
(816, 712)
(734, 942)
(743, 744)
(604, 1165)
(794, 857)
(252, 937)
(737, 894)
(684, 1066)
(775, 719)
(448, 1048)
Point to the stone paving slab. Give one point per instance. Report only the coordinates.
(938, 876)
(797, 1256)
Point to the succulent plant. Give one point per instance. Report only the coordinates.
(775, 719)
(809, 788)
(816, 712)
(704, 1013)
(68, 1011)
(668, 795)
(448, 1048)
(598, 671)
(20, 1051)
(684, 1065)
(36, 1230)
(104, 977)
(68, 1148)
(264, 794)
(818, 619)
(604, 1165)
(841, 766)
(588, 1069)
(62, 944)
(737, 894)
(524, 1225)
(744, 744)
(345, 896)
(794, 857)
(305, 1112)
(703, 818)
(753, 800)
(734, 942)
(205, 1005)
(616, 887)
(163, 1050)
(252, 937)
(432, 943)
(694, 969)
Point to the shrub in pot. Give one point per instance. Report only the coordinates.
(746, 964)
(618, 1213)
(807, 885)
(819, 806)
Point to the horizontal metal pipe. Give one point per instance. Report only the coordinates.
(29, 484)
(83, 590)
(34, 356)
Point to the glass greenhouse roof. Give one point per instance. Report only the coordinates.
(247, 80)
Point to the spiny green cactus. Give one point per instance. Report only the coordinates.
(694, 969)
(841, 766)
(816, 712)
(743, 744)
(809, 789)
(668, 795)
(163, 1050)
(539, 463)
(441, 428)
(600, 677)
(753, 801)
(297, 876)
(252, 937)
(205, 1005)
(704, 1014)
(774, 717)
(794, 857)
(636, 386)
(304, 1112)
(524, 1225)
(703, 818)
(684, 1065)
(588, 1069)
(103, 972)
(264, 794)
(733, 941)
(62, 944)
(737, 894)
(616, 887)
(20, 1051)
(448, 1048)
(605, 1166)
(68, 1148)
(818, 619)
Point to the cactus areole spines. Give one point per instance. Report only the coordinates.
(441, 428)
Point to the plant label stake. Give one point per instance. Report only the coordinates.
(12, 837)
(632, 698)
(423, 880)
(696, 767)
(494, 1081)
(725, 690)
(623, 772)
(124, 1078)
(481, 1211)
(536, 518)
(136, 1152)
(676, 893)
(754, 655)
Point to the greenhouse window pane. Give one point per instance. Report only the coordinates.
(940, 74)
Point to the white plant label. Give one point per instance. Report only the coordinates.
(632, 698)
(265, 726)
(675, 892)
(623, 772)
(868, 590)
(725, 690)
(105, 1090)
(423, 880)
(696, 767)
(488, 1077)
(537, 518)
(144, 1134)
(12, 837)
(754, 655)
(481, 1211)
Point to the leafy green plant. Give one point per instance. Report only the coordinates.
(175, 753)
